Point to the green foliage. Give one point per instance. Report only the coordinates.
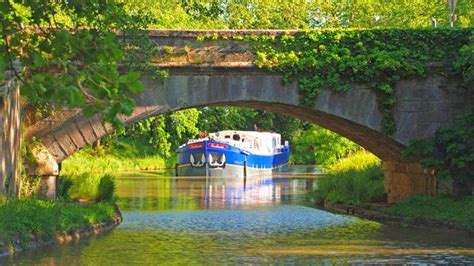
(166, 132)
(176, 14)
(320, 146)
(218, 118)
(450, 152)
(214, 119)
(439, 208)
(21, 219)
(277, 14)
(119, 155)
(465, 62)
(70, 53)
(338, 59)
(354, 180)
(89, 186)
(106, 189)
(390, 13)
(64, 186)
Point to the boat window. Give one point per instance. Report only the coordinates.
(236, 137)
(227, 136)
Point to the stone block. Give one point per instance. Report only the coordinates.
(44, 163)
(405, 179)
(66, 143)
(85, 130)
(413, 168)
(412, 106)
(430, 128)
(401, 168)
(47, 187)
(389, 166)
(435, 116)
(437, 106)
(76, 137)
(98, 127)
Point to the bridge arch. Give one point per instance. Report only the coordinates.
(423, 105)
(353, 114)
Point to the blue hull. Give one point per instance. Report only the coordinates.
(214, 158)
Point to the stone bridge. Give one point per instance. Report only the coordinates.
(221, 73)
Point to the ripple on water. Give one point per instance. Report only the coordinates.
(277, 219)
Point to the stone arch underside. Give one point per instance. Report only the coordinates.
(353, 114)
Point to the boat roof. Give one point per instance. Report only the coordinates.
(247, 133)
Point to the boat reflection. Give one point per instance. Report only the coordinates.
(192, 193)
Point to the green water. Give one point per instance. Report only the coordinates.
(185, 221)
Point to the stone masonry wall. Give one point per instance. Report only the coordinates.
(405, 179)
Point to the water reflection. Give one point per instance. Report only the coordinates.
(194, 193)
(231, 221)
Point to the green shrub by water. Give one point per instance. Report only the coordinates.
(64, 186)
(106, 189)
(118, 156)
(19, 219)
(89, 186)
(438, 208)
(355, 180)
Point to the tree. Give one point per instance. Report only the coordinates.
(176, 14)
(320, 146)
(76, 54)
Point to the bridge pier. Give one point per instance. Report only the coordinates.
(44, 167)
(404, 179)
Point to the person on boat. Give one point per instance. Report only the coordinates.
(255, 128)
(203, 134)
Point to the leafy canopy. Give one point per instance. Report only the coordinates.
(72, 53)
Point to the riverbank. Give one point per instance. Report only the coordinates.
(35, 223)
(117, 156)
(354, 185)
(390, 214)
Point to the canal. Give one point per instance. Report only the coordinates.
(260, 221)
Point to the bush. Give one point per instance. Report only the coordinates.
(450, 153)
(92, 187)
(84, 186)
(106, 188)
(119, 156)
(354, 180)
(64, 186)
(20, 219)
(317, 145)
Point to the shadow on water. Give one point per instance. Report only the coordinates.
(260, 220)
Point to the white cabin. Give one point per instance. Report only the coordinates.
(251, 141)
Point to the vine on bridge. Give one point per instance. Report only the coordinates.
(338, 59)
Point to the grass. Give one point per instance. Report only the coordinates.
(87, 186)
(120, 156)
(358, 180)
(355, 180)
(440, 208)
(21, 219)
